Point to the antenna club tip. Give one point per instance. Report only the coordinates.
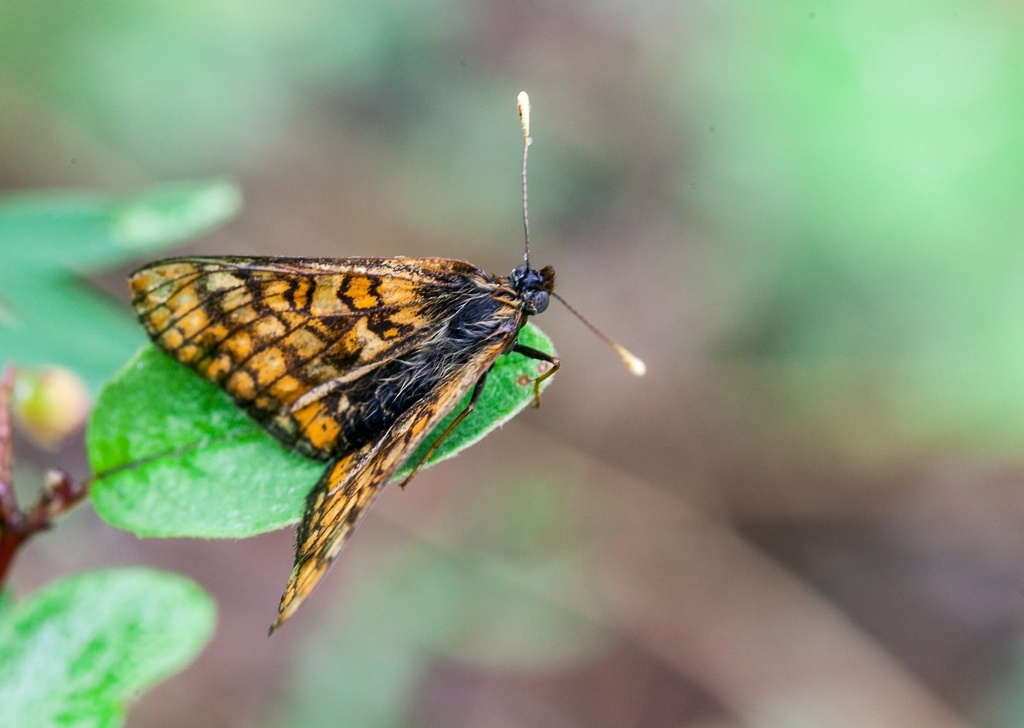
(634, 363)
(523, 104)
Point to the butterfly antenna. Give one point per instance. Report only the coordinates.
(634, 363)
(523, 103)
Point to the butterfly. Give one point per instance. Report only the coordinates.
(352, 361)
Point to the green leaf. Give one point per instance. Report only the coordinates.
(174, 456)
(74, 653)
(50, 316)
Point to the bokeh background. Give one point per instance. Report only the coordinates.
(806, 217)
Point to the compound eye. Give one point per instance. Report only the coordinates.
(540, 301)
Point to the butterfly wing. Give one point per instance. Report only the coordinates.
(350, 485)
(300, 343)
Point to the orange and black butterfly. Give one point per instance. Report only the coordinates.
(352, 361)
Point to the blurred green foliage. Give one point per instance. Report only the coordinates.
(863, 164)
(75, 652)
(48, 315)
(195, 88)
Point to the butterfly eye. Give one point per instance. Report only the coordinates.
(540, 301)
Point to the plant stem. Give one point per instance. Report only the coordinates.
(59, 496)
(7, 502)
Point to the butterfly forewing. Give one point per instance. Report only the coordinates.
(319, 351)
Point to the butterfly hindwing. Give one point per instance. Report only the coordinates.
(350, 485)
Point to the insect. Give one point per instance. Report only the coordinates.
(352, 361)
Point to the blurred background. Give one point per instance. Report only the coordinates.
(805, 217)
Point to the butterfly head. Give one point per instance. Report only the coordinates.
(534, 287)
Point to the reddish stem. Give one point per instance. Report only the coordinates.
(8, 506)
(60, 494)
(11, 536)
(10, 542)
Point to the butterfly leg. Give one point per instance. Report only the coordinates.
(477, 390)
(542, 356)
